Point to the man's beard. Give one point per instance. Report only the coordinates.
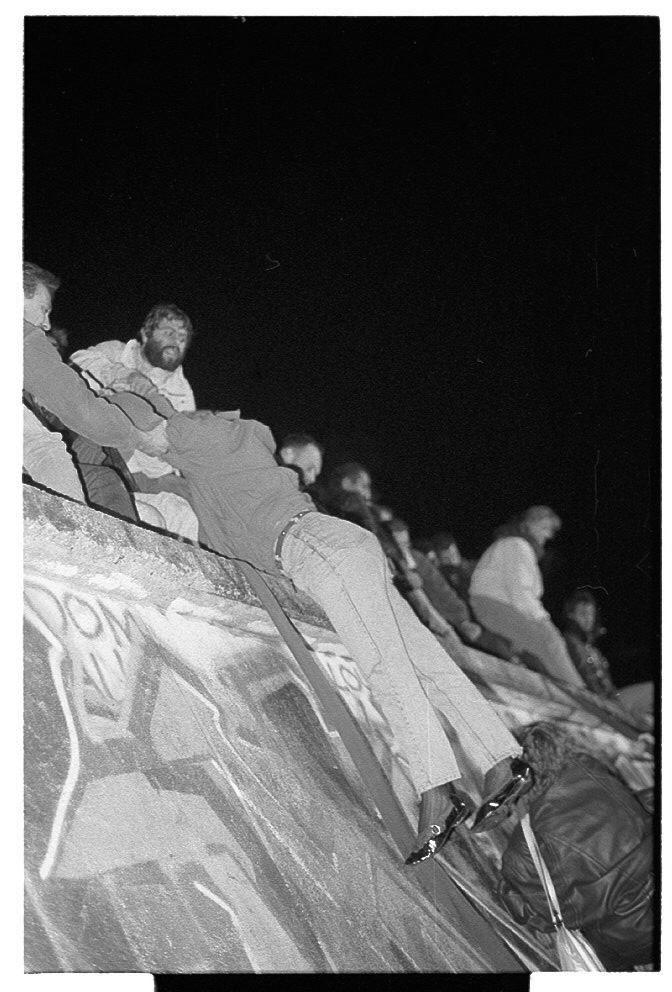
(154, 353)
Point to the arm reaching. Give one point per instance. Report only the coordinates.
(154, 442)
(140, 385)
(62, 391)
(101, 364)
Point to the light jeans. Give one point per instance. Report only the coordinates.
(539, 636)
(342, 567)
(47, 460)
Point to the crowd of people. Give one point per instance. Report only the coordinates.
(117, 427)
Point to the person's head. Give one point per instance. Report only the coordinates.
(446, 549)
(401, 533)
(39, 287)
(581, 607)
(353, 478)
(303, 453)
(540, 523)
(547, 747)
(165, 336)
(425, 546)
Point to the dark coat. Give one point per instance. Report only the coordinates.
(63, 392)
(590, 663)
(595, 838)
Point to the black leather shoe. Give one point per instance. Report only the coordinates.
(462, 807)
(495, 809)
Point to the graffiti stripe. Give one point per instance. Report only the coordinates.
(56, 655)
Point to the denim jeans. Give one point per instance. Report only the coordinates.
(540, 637)
(47, 460)
(342, 567)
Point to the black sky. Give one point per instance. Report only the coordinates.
(432, 242)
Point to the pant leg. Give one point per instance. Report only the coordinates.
(177, 514)
(343, 568)
(148, 513)
(47, 460)
(540, 637)
(104, 487)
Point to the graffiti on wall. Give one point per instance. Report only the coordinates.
(173, 759)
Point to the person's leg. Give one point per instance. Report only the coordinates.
(539, 637)
(104, 487)
(148, 513)
(47, 460)
(342, 567)
(177, 514)
(637, 699)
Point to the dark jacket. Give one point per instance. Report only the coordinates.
(59, 389)
(459, 577)
(240, 494)
(595, 837)
(442, 596)
(242, 498)
(590, 663)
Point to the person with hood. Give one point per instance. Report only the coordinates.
(595, 836)
(507, 586)
(61, 396)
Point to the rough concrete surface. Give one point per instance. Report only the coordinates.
(188, 807)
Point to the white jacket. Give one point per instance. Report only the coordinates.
(508, 571)
(109, 362)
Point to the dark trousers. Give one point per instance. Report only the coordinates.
(105, 478)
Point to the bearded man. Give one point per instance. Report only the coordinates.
(159, 493)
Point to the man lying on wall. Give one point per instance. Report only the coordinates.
(251, 508)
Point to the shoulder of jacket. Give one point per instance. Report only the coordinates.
(111, 348)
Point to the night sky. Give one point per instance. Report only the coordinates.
(431, 242)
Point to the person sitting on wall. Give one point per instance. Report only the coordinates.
(107, 482)
(63, 398)
(582, 630)
(450, 604)
(506, 590)
(350, 497)
(455, 569)
(158, 492)
(304, 454)
(595, 836)
(445, 601)
(251, 508)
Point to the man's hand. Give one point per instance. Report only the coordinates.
(154, 442)
(134, 382)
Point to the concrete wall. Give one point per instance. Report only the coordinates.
(188, 808)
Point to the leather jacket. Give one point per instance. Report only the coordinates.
(595, 837)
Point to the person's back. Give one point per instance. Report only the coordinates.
(595, 837)
(242, 497)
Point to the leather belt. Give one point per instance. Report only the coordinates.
(277, 550)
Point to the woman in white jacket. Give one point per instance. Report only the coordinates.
(506, 590)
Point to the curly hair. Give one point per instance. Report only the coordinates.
(548, 748)
(34, 276)
(160, 312)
